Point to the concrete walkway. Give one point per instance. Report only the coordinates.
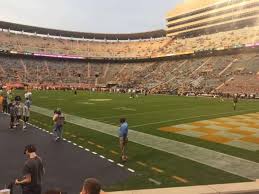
(227, 163)
(66, 165)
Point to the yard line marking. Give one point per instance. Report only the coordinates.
(180, 179)
(91, 143)
(81, 147)
(64, 139)
(141, 163)
(154, 181)
(121, 165)
(110, 160)
(142, 113)
(69, 141)
(180, 119)
(102, 156)
(87, 150)
(157, 170)
(114, 152)
(99, 146)
(74, 144)
(94, 153)
(131, 170)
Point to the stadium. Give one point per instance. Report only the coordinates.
(175, 87)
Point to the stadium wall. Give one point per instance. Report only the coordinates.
(235, 188)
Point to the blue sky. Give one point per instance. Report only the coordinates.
(110, 16)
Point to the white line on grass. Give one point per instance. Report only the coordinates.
(131, 170)
(154, 181)
(121, 165)
(141, 113)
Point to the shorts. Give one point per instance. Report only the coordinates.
(25, 119)
(124, 140)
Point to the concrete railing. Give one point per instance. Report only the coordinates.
(235, 188)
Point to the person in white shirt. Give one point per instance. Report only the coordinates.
(26, 115)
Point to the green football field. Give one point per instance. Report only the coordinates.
(147, 114)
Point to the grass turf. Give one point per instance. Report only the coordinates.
(147, 114)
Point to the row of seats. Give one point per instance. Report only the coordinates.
(129, 49)
(204, 74)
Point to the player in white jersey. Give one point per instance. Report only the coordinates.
(28, 95)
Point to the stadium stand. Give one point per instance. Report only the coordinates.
(183, 61)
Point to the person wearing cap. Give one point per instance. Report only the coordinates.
(33, 172)
(91, 186)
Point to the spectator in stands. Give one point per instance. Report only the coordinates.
(123, 137)
(59, 120)
(91, 186)
(33, 172)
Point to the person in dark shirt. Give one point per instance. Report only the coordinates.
(33, 172)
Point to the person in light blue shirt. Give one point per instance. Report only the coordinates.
(123, 137)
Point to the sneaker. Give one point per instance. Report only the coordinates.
(57, 139)
(124, 158)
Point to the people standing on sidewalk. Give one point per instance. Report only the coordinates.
(123, 138)
(1, 102)
(5, 105)
(33, 171)
(26, 115)
(11, 109)
(19, 112)
(59, 121)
